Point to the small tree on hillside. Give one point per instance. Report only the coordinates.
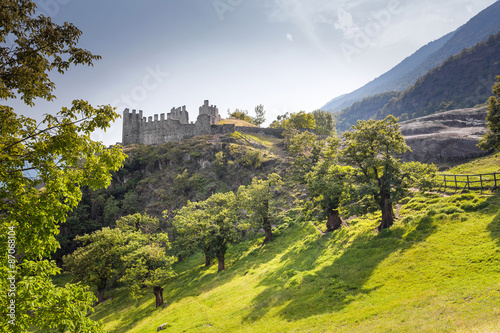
(325, 123)
(328, 184)
(147, 264)
(241, 114)
(260, 115)
(98, 259)
(257, 200)
(304, 149)
(491, 140)
(372, 148)
(209, 225)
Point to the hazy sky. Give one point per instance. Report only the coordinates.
(288, 55)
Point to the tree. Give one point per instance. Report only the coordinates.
(372, 148)
(242, 115)
(98, 259)
(325, 123)
(139, 222)
(208, 225)
(257, 200)
(491, 139)
(299, 120)
(328, 183)
(147, 264)
(305, 149)
(61, 158)
(260, 115)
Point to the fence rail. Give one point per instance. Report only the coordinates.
(469, 182)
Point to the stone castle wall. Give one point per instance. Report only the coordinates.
(176, 127)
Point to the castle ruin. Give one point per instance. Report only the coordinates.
(176, 127)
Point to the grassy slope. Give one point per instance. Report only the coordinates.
(486, 164)
(436, 270)
(236, 122)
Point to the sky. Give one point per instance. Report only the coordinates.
(289, 55)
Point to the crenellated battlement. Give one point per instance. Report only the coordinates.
(173, 127)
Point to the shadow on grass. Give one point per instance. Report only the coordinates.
(494, 226)
(298, 289)
(192, 280)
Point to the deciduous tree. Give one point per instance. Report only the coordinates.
(56, 155)
(373, 148)
(491, 140)
(257, 200)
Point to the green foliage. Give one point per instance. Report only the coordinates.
(98, 259)
(146, 262)
(299, 120)
(37, 46)
(305, 149)
(491, 139)
(352, 280)
(328, 183)
(209, 226)
(61, 156)
(139, 222)
(325, 123)
(260, 115)
(257, 201)
(459, 82)
(372, 148)
(241, 114)
(363, 110)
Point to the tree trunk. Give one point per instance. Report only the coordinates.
(387, 214)
(101, 287)
(158, 291)
(100, 295)
(208, 260)
(179, 258)
(220, 259)
(268, 231)
(269, 235)
(334, 221)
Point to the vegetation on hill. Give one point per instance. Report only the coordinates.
(406, 73)
(462, 81)
(435, 270)
(165, 177)
(363, 110)
(491, 139)
(43, 164)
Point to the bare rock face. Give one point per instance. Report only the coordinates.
(445, 137)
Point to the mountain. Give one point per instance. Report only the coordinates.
(476, 30)
(462, 81)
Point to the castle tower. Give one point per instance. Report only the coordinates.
(212, 111)
(131, 126)
(179, 114)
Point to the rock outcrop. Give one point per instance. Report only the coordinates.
(445, 137)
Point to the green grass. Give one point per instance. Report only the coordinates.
(436, 270)
(481, 165)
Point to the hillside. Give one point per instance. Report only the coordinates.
(462, 81)
(402, 76)
(436, 270)
(165, 177)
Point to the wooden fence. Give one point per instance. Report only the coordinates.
(488, 181)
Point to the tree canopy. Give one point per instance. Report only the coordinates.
(373, 148)
(43, 165)
(491, 140)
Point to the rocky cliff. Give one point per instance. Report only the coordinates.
(445, 137)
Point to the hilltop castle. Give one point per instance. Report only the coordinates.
(176, 127)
